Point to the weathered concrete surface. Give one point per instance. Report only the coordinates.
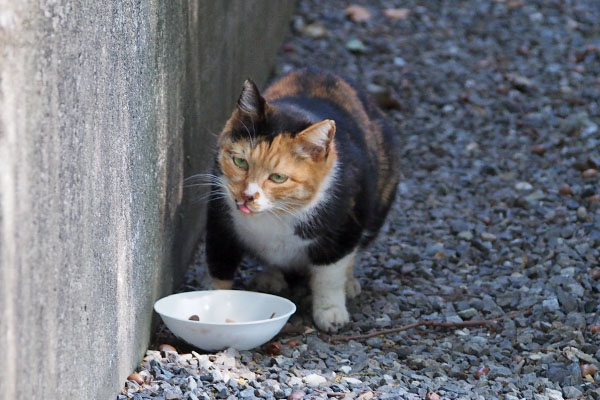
(104, 107)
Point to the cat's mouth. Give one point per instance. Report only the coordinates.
(244, 208)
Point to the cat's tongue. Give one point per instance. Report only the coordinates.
(245, 209)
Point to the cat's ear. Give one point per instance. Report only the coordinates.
(250, 102)
(315, 141)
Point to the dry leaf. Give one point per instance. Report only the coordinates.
(512, 4)
(397, 13)
(588, 369)
(293, 343)
(357, 13)
(273, 348)
(481, 371)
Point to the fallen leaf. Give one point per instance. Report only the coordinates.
(357, 13)
(397, 13)
(481, 371)
(292, 343)
(538, 149)
(166, 347)
(136, 377)
(512, 4)
(273, 348)
(588, 369)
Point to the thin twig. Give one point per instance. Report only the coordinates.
(440, 324)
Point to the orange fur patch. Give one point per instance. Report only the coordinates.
(305, 175)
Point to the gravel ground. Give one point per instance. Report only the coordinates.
(498, 107)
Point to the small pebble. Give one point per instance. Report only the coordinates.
(553, 394)
(565, 190)
(314, 380)
(523, 186)
(351, 381)
(297, 395)
(432, 396)
(356, 46)
(488, 237)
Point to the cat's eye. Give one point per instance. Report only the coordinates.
(278, 178)
(240, 162)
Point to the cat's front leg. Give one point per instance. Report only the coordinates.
(223, 250)
(328, 294)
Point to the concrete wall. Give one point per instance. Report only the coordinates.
(104, 107)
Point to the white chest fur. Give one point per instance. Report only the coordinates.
(271, 238)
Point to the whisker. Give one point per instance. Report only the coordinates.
(203, 176)
(248, 130)
(203, 184)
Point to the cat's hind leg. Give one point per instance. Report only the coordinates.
(328, 294)
(352, 285)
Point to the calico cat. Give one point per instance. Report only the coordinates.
(304, 178)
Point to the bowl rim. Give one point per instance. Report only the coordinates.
(259, 321)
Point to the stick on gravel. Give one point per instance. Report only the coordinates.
(440, 324)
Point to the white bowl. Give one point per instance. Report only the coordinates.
(250, 311)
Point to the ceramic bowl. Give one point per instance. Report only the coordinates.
(226, 318)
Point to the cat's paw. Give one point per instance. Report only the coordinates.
(352, 287)
(331, 319)
(218, 284)
(270, 281)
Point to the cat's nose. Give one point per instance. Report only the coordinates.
(250, 197)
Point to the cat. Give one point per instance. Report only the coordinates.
(303, 180)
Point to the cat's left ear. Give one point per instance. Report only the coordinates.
(316, 140)
(250, 102)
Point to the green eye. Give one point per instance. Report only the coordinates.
(278, 178)
(240, 162)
